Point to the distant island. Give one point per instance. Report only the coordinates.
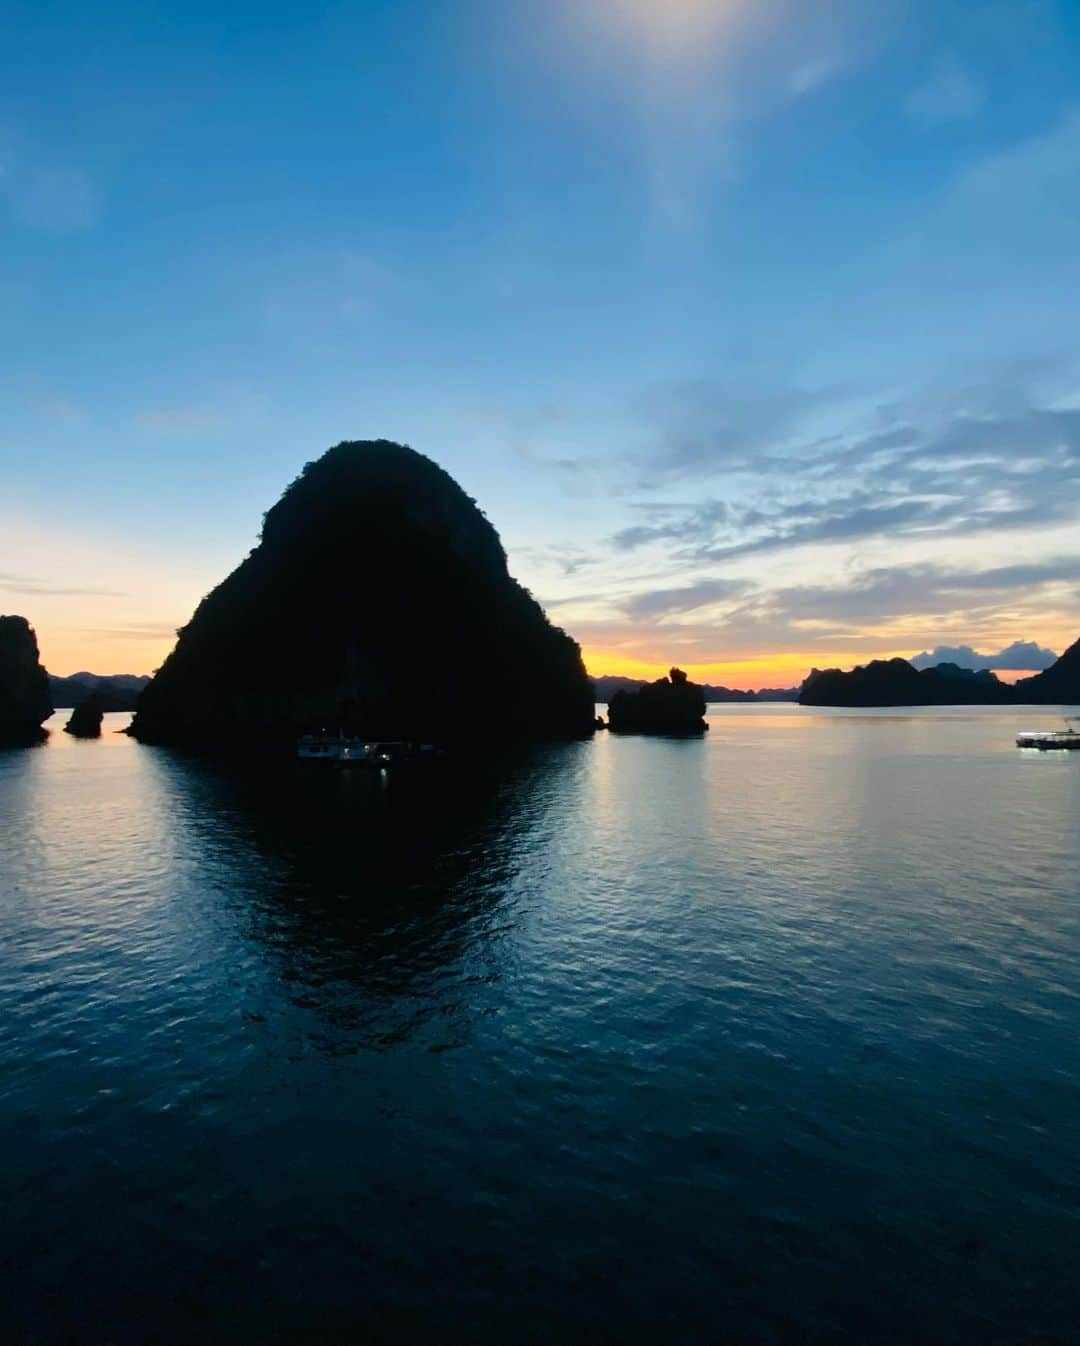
(607, 685)
(897, 682)
(373, 568)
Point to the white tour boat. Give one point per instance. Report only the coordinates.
(337, 748)
(347, 751)
(1069, 737)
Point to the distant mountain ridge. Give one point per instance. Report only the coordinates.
(608, 684)
(115, 691)
(896, 682)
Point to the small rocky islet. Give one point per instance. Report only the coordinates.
(85, 720)
(671, 705)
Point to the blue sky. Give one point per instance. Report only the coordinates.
(753, 330)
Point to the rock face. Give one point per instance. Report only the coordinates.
(894, 682)
(24, 684)
(374, 569)
(85, 721)
(671, 705)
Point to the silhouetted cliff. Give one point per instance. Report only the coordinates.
(894, 682)
(671, 705)
(24, 684)
(1057, 685)
(373, 568)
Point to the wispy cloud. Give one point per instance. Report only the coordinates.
(136, 631)
(968, 471)
(28, 586)
(179, 420)
(53, 197)
(828, 483)
(686, 598)
(950, 94)
(884, 609)
(60, 409)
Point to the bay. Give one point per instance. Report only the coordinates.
(769, 1036)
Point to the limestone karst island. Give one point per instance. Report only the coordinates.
(374, 572)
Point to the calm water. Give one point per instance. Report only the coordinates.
(770, 1037)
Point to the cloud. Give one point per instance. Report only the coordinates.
(673, 523)
(60, 409)
(949, 95)
(659, 603)
(179, 420)
(137, 631)
(1021, 654)
(932, 470)
(58, 200)
(42, 194)
(883, 607)
(702, 426)
(30, 587)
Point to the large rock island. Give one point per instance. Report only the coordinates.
(895, 682)
(671, 705)
(24, 685)
(373, 568)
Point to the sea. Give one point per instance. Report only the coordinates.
(768, 1036)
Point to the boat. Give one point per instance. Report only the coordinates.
(1069, 737)
(333, 748)
(347, 751)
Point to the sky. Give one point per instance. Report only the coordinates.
(750, 324)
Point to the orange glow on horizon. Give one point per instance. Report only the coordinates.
(750, 675)
(776, 670)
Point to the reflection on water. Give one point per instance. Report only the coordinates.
(769, 1035)
(375, 896)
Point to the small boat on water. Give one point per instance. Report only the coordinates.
(1069, 737)
(347, 751)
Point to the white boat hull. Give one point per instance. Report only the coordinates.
(1052, 739)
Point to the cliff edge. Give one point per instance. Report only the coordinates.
(24, 685)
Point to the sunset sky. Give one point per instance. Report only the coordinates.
(751, 324)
